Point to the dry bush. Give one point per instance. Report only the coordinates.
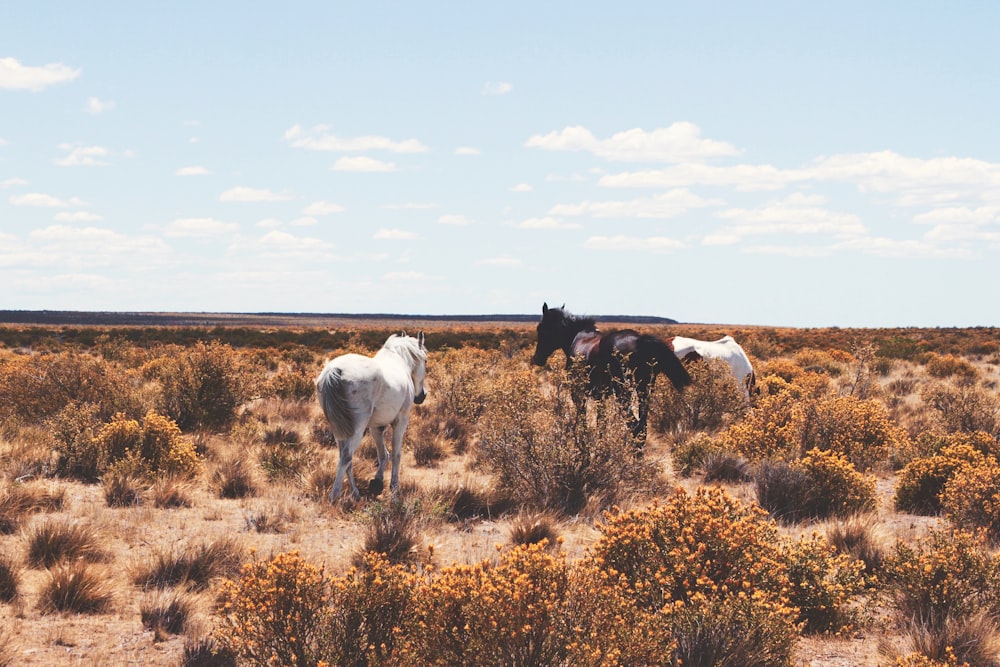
(169, 491)
(551, 455)
(194, 566)
(470, 501)
(271, 518)
(823, 484)
(949, 365)
(286, 460)
(964, 641)
(689, 454)
(17, 501)
(122, 489)
(52, 541)
(964, 408)
(10, 579)
(37, 387)
(166, 613)
(829, 362)
(713, 399)
(948, 574)
(202, 385)
(393, 532)
(534, 529)
(234, 477)
(726, 467)
(206, 652)
(76, 587)
(860, 537)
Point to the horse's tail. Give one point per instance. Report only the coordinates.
(332, 391)
(668, 363)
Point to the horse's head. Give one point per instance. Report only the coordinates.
(551, 334)
(414, 352)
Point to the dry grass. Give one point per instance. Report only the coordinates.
(146, 597)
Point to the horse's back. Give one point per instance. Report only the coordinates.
(726, 349)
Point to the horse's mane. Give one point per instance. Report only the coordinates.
(406, 347)
(578, 322)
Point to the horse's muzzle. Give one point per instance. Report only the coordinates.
(419, 398)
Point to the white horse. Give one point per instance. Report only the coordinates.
(727, 349)
(359, 392)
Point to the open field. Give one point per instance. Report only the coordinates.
(163, 458)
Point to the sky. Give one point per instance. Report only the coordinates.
(768, 163)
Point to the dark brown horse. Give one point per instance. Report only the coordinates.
(623, 364)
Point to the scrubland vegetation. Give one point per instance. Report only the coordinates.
(164, 502)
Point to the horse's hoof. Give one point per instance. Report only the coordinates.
(375, 486)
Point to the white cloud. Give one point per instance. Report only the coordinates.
(983, 215)
(96, 106)
(657, 244)
(322, 208)
(408, 276)
(384, 234)
(194, 170)
(410, 206)
(70, 248)
(743, 177)
(77, 216)
(286, 242)
(304, 221)
(269, 223)
(12, 183)
(794, 215)
(521, 187)
(467, 150)
(666, 205)
(497, 88)
(199, 228)
(680, 142)
(363, 163)
(82, 156)
(318, 138)
(45, 201)
(547, 223)
(454, 219)
(503, 262)
(245, 194)
(15, 76)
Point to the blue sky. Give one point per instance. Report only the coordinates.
(774, 163)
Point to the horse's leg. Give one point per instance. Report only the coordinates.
(378, 483)
(398, 429)
(345, 466)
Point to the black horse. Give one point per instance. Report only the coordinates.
(623, 364)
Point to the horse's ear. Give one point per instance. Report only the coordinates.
(545, 307)
(403, 333)
(420, 338)
(563, 307)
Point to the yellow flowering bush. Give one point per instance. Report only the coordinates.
(276, 613)
(785, 426)
(971, 498)
(948, 574)
(824, 584)
(154, 446)
(921, 482)
(836, 487)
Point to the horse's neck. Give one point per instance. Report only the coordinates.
(574, 327)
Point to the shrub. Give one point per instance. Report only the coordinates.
(276, 612)
(55, 540)
(821, 485)
(958, 642)
(166, 613)
(949, 365)
(18, 500)
(75, 587)
(726, 467)
(393, 532)
(965, 408)
(535, 529)
(948, 574)
(920, 484)
(859, 536)
(690, 454)
(203, 385)
(503, 614)
(206, 652)
(551, 456)
(72, 430)
(233, 477)
(970, 499)
(824, 584)
(122, 489)
(713, 397)
(194, 566)
(783, 426)
(10, 579)
(169, 491)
